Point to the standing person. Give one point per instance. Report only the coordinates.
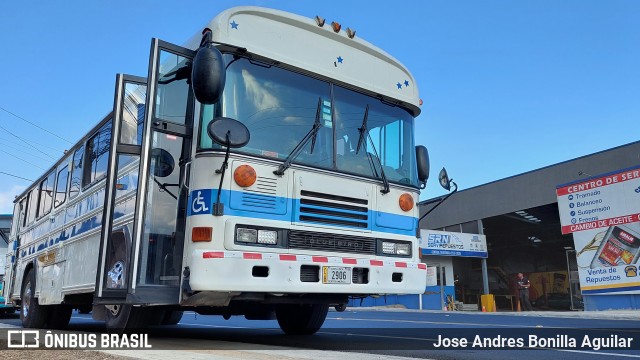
(523, 292)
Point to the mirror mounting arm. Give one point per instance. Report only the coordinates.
(207, 35)
(440, 202)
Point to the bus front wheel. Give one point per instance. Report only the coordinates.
(297, 319)
(122, 316)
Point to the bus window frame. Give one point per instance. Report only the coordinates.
(87, 173)
(45, 181)
(72, 172)
(66, 187)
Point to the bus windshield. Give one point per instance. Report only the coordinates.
(280, 107)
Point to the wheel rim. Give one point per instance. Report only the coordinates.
(114, 310)
(26, 300)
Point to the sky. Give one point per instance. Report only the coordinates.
(508, 86)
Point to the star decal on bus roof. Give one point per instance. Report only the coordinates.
(234, 25)
(406, 83)
(340, 59)
(399, 85)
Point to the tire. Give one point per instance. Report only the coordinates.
(59, 316)
(301, 319)
(123, 317)
(172, 317)
(32, 314)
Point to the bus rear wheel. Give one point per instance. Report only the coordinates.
(297, 319)
(32, 314)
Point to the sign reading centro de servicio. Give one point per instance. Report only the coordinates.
(433, 242)
(603, 213)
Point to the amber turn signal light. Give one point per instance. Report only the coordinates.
(406, 202)
(244, 176)
(200, 234)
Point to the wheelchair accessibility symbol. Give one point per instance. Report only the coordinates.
(200, 200)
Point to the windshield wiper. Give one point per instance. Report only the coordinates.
(363, 129)
(311, 135)
(363, 132)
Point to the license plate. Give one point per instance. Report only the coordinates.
(336, 275)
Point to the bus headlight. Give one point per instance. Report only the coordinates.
(269, 237)
(258, 236)
(396, 248)
(403, 249)
(246, 235)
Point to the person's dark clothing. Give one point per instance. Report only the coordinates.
(523, 292)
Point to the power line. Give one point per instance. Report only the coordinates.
(36, 125)
(42, 145)
(21, 159)
(15, 176)
(5, 143)
(24, 141)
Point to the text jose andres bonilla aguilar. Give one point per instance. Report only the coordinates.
(535, 341)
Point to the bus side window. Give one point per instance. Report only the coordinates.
(32, 206)
(23, 210)
(61, 186)
(76, 173)
(46, 194)
(97, 158)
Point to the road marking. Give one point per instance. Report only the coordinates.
(8, 326)
(597, 353)
(438, 322)
(483, 325)
(227, 326)
(378, 336)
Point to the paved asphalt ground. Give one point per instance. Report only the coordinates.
(371, 334)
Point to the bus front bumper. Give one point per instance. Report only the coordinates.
(289, 273)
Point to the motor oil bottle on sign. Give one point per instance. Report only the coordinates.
(620, 246)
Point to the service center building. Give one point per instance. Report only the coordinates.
(572, 228)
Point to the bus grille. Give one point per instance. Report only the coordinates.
(333, 209)
(331, 242)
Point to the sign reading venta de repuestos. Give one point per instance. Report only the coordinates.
(433, 242)
(603, 213)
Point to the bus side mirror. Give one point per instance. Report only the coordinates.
(422, 160)
(208, 74)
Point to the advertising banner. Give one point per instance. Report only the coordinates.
(603, 213)
(432, 276)
(433, 242)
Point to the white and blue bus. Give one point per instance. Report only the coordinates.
(265, 169)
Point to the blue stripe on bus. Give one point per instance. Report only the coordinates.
(378, 221)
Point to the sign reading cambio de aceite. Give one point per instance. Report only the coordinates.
(603, 213)
(433, 242)
(600, 202)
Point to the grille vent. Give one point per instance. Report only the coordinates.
(262, 195)
(330, 242)
(333, 209)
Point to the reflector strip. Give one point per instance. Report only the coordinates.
(307, 259)
(252, 256)
(213, 255)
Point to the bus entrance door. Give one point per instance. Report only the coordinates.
(150, 236)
